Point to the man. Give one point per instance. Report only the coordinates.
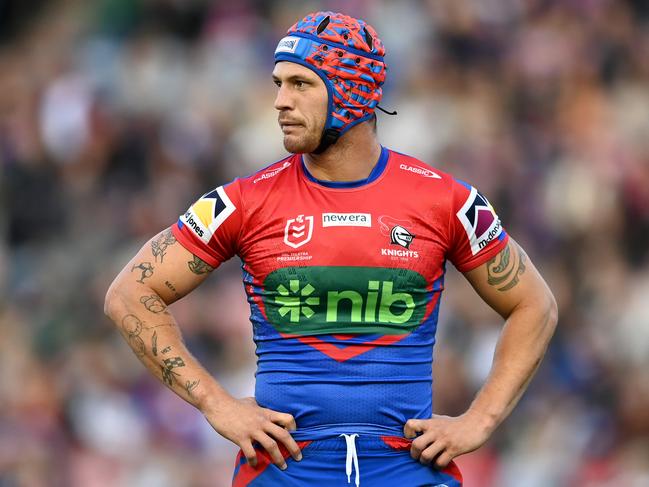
(343, 245)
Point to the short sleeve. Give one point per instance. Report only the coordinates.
(476, 233)
(210, 228)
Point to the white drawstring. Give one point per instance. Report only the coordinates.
(352, 455)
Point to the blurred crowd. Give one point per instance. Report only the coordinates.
(116, 114)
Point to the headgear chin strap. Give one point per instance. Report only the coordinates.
(348, 55)
(329, 137)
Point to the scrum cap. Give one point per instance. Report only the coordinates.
(348, 55)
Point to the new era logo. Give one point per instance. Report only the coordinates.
(346, 220)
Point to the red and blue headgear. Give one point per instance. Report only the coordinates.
(348, 55)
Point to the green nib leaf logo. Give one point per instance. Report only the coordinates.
(295, 301)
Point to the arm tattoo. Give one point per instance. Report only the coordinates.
(132, 325)
(145, 268)
(161, 242)
(198, 266)
(154, 304)
(172, 288)
(503, 269)
(191, 385)
(168, 373)
(154, 343)
(166, 350)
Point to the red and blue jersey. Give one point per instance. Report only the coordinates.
(344, 282)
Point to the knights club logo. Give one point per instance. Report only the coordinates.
(401, 236)
(298, 231)
(396, 230)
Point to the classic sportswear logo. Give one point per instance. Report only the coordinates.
(422, 171)
(287, 44)
(324, 300)
(298, 231)
(346, 220)
(479, 220)
(208, 213)
(273, 173)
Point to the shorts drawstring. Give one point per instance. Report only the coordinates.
(352, 455)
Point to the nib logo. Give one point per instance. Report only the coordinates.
(323, 300)
(320, 304)
(290, 300)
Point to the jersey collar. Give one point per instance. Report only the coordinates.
(378, 169)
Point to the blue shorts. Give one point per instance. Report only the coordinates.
(371, 461)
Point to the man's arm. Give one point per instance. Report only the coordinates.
(512, 286)
(162, 272)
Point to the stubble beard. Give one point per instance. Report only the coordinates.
(302, 144)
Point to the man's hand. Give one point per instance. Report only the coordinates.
(243, 422)
(443, 438)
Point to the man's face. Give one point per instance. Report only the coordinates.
(302, 105)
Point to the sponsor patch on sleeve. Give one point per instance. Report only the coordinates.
(479, 220)
(208, 213)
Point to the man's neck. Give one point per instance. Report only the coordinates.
(351, 158)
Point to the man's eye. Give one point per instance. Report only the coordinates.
(277, 83)
(300, 84)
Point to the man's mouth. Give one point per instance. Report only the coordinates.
(287, 125)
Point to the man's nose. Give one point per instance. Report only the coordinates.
(283, 100)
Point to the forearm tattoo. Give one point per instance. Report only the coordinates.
(198, 266)
(146, 270)
(190, 386)
(504, 269)
(132, 326)
(154, 344)
(154, 304)
(160, 243)
(168, 373)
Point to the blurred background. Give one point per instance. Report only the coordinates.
(116, 114)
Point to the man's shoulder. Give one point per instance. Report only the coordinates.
(268, 173)
(418, 171)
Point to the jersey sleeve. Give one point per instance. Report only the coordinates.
(475, 231)
(210, 228)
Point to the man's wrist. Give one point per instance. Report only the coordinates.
(212, 399)
(487, 421)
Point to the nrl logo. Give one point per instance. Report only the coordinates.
(298, 231)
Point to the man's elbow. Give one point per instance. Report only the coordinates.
(551, 312)
(113, 299)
